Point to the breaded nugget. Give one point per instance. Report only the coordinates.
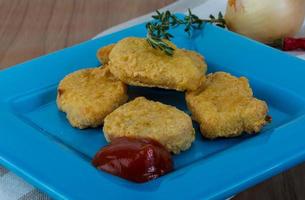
(103, 54)
(225, 107)
(88, 95)
(149, 119)
(135, 62)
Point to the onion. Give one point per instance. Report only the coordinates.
(265, 20)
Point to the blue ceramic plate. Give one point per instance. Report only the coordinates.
(37, 142)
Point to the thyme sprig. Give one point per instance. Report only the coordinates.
(157, 31)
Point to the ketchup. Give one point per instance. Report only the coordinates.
(135, 159)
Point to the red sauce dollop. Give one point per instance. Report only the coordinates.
(138, 160)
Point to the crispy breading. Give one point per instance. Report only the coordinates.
(135, 62)
(225, 107)
(103, 54)
(150, 119)
(88, 95)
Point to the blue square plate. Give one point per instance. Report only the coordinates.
(37, 142)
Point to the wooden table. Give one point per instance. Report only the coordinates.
(31, 28)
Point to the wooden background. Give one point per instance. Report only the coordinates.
(31, 28)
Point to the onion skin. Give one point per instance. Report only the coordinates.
(265, 20)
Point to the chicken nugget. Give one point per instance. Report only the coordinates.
(225, 107)
(88, 95)
(135, 62)
(150, 119)
(103, 54)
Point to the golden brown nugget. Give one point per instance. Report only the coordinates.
(150, 119)
(103, 54)
(225, 107)
(135, 62)
(88, 95)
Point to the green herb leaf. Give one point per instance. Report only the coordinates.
(157, 31)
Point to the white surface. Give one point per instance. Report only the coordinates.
(13, 187)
